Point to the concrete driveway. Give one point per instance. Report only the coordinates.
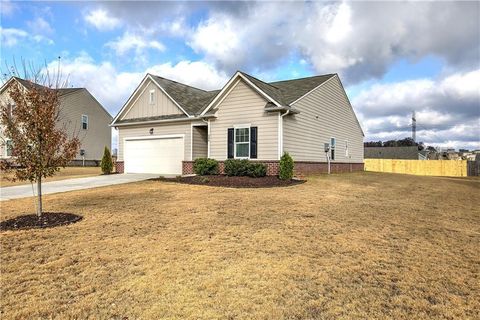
(24, 191)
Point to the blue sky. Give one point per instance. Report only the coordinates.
(392, 57)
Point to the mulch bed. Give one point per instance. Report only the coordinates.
(31, 221)
(233, 182)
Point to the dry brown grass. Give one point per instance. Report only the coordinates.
(354, 246)
(66, 173)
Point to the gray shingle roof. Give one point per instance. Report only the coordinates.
(61, 91)
(287, 91)
(296, 88)
(194, 100)
(191, 99)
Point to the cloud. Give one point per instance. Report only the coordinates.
(102, 20)
(195, 73)
(7, 8)
(447, 109)
(11, 36)
(137, 43)
(251, 41)
(112, 87)
(359, 40)
(40, 26)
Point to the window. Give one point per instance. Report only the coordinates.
(151, 97)
(84, 122)
(9, 146)
(10, 108)
(346, 149)
(332, 148)
(242, 142)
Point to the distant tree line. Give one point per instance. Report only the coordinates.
(406, 142)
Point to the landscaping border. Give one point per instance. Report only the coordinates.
(301, 167)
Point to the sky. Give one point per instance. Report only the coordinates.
(392, 57)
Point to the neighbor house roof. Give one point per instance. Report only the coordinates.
(29, 85)
(62, 92)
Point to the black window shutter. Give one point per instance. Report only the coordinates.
(230, 143)
(253, 142)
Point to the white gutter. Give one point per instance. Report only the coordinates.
(154, 121)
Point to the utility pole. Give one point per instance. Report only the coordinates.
(414, 127)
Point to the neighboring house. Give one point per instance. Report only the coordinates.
(410, 152)
(81, 113)
(165, 125)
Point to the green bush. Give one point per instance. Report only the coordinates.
(243, 167)
(257, 170)
(236, 167)
(286, 167)
(106, 164)
(205, 166)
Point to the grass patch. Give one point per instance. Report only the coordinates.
(63, 174)
(362, 245)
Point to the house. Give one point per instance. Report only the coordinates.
(165, 125)
(403, 152)
(81, 113)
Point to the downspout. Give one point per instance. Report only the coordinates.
(280, 147)
(208, 136)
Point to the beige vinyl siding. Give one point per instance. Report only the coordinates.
(99, 134)
(134, 131)
(141, 107)
(200, 142)
(244, 106)
(304, 134)
(73, 106)
(4, 100)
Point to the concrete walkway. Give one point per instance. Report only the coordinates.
(23, 191)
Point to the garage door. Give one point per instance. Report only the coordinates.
(158, 155)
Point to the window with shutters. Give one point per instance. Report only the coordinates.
(242, 142)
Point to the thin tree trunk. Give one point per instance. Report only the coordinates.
(39, 196)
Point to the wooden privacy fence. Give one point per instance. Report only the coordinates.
(450, 168)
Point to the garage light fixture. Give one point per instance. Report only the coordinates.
(151, 130)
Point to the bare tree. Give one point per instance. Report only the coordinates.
(31, 120)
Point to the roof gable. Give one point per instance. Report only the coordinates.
(194, 101)
(294, 89)
(190, 98)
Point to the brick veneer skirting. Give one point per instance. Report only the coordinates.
(301, 167)
(119, 168)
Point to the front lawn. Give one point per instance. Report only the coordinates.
(357, 246)
(63, 174)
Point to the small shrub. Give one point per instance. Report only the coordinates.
(256, 170)
(236, 167)
(243, 167)
(205, 166)
(106, 163)
(286, 167)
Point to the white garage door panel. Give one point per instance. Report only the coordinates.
(159, 155)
